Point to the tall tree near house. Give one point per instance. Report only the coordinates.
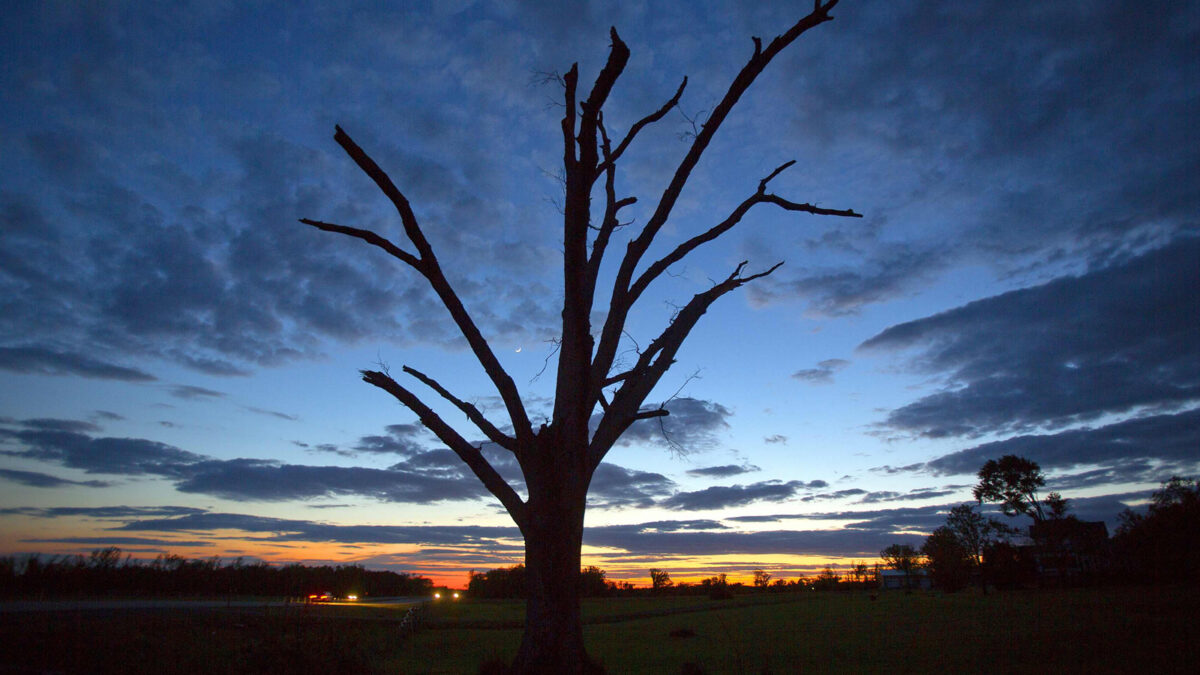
(975, 532)
(557, 458)
(949, 560)
(1013, 482)
(1057, 506)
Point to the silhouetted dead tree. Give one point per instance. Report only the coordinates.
(558, 458)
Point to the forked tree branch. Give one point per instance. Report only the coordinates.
(621, 301)
(610, 220)
(642, 123)
(369, 237)
(427, 264)
(653, 363)
(468, 453)
(759, 197)
(493, 434)
(573, 393)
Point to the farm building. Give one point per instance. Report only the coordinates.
(899, 580)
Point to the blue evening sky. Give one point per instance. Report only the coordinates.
(179, 355)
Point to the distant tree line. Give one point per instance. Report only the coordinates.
(107, 572)
(510, 582)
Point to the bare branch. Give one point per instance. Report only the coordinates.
(618, 56)
(640, 124)
(807, 208)
(620, 303)
(427, 264)
(681, 251)
(369, 237)
(468, 453)
(573, 387)
(546, 361)
(610, 222)
(389, 189)
(570, 80)
(762, 184)
(472, 413)
(653, 363)
(651, 414)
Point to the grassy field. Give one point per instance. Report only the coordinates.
(1112, 630)
(1122, 630)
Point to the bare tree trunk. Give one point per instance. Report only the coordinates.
(553, 638)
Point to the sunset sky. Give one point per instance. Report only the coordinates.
(179, 355)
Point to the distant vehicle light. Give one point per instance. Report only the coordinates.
(351, 597)
(456, 596)
(437, 596)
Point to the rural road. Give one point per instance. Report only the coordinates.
(75, 605)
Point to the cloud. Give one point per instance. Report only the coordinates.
(74, 426)
(823, 373)
(727, 496)
(240, 479)
(1109, 341)
(263, 480)
(49, 362)
(118, 541)
(964, 158)
(844, 291)
(723, 471)
(615, 486)
(273, 413)
(1168, 440)
(650, 542)
(43, 480)
(127, 456)
(103, 512)
(657, 538)
(775, 439)
(839, 494)
(401, 439)
(693, 425)
(423, 476)
(912, 495)
(190, 393)
(283, 529)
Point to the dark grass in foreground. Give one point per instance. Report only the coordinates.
(1109, 630)
(197, 641)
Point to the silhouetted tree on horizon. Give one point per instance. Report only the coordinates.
(1013, 482)
(975, 532)
(949, 560)
(660, 580)
(903, 558)
(558, 458)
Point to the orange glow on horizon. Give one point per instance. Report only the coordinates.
(448, 567)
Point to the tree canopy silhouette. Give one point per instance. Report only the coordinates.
(1013, 482)
(557, 458)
